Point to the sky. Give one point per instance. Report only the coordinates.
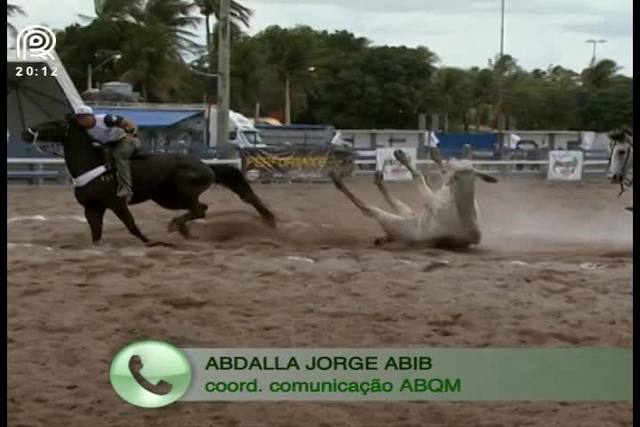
(463, 33)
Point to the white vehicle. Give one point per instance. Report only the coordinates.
(242, 132)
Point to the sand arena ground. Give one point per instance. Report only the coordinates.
(554, 269)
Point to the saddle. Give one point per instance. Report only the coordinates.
(141, 155)
(106, 150)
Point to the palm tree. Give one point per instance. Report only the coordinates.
(13, 10)
(291, 53)
(176, 16)
(116, 10)
(506, 72)
(149, 60)
(240, 16)
(600, 75)
(151, 35)
(155, 45)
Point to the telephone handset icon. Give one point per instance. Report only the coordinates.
(161, 388)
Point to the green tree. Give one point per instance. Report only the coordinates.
(482, 94)
(454, 93)
(152, 37)
(336, 79)
(248, 74)
(608, 108)
(291, 54)
(605, 99)
(389, 86)
(600, 75)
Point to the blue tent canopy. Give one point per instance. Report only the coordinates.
(452, 143)
(150, 118)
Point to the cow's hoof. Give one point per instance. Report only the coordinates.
(400, 156)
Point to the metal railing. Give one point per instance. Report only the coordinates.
(516, 167)
(37, 174)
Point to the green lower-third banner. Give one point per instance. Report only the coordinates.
(552, 374)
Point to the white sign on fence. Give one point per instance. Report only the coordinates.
(392, 169)
(565, 165)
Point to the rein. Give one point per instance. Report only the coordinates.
(39, 148)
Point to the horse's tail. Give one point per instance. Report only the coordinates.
(232, 178)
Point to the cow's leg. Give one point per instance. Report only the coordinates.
(399, 207)
(364, 208)
(391, 223)
(421, 183)
(394, 225)
(95, 217)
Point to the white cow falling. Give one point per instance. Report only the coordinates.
(449, 216)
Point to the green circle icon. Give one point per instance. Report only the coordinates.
(150, 374)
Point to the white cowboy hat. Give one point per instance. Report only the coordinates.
(84, 109)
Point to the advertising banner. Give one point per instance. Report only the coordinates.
(565, 165)
(285, 163)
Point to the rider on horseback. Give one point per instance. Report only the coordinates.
(116, 134)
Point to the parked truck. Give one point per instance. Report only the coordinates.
(242, 132)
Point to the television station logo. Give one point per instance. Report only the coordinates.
(35, 41)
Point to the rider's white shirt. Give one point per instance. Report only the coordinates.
(103, 133)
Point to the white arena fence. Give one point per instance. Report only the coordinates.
(37, 170)
(511, 167)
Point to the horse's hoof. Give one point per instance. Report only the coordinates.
(381, 241)
(269, 222)
(155, 244)
(183, 229)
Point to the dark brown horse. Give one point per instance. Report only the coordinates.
(173, 181)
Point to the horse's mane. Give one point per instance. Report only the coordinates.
(73, 122)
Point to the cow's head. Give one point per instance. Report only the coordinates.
(460, 176)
